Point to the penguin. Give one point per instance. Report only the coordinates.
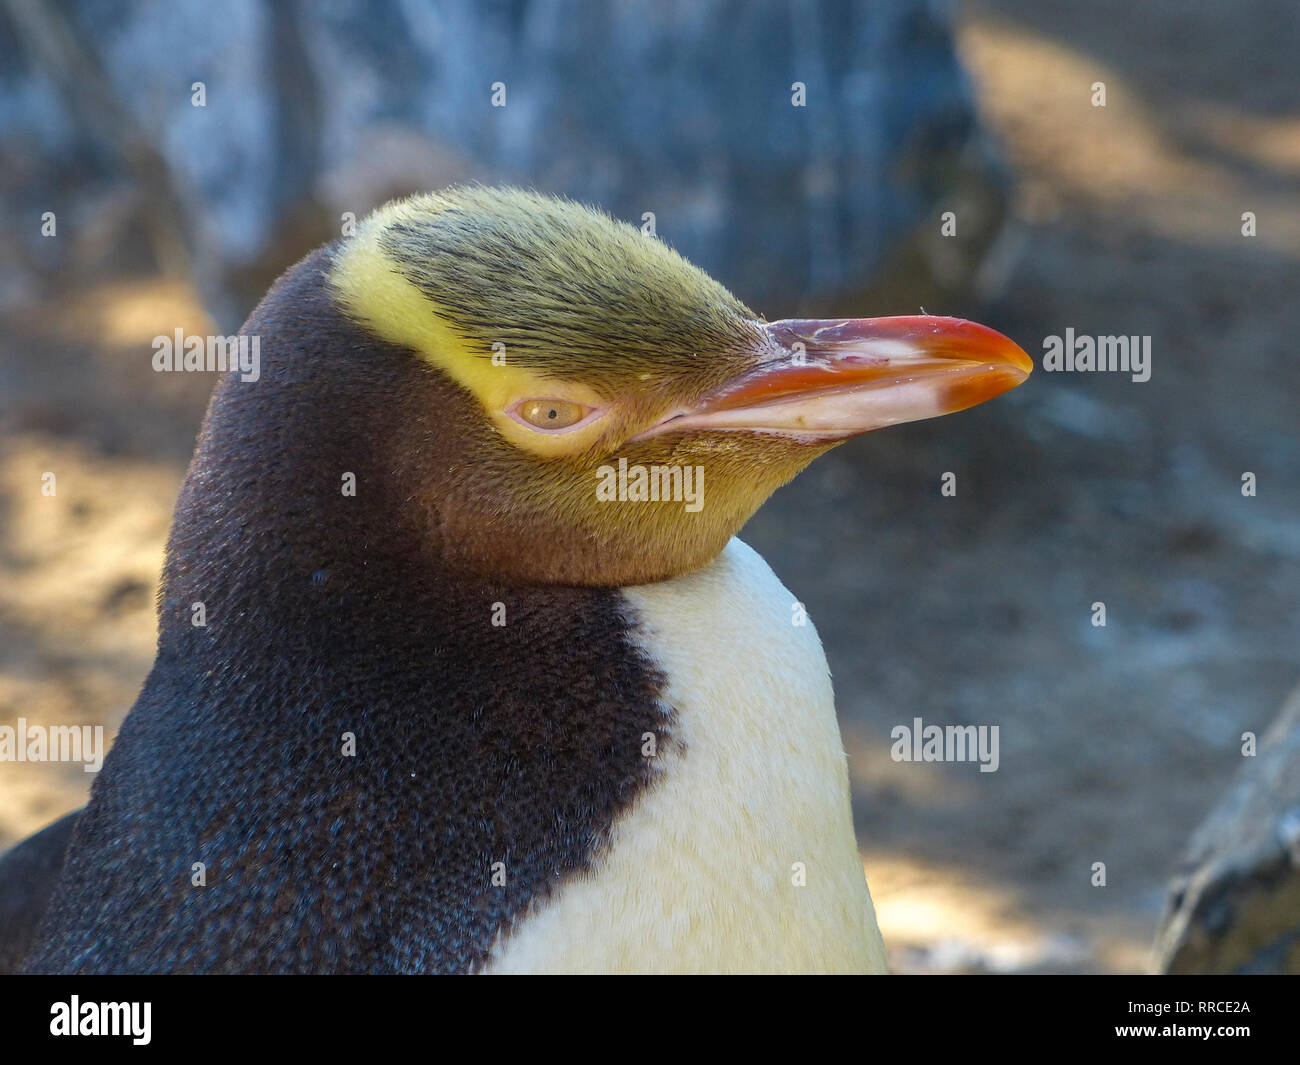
(461, 667)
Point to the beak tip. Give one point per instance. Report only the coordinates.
(1022, 360)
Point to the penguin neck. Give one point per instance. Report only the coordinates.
(438, 754)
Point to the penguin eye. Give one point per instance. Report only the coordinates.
(550, 414)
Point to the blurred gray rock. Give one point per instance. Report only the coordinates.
(1234, 905)
(314, 109)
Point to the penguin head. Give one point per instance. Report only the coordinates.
(612, 414)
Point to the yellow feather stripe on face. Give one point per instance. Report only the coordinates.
(372, 290)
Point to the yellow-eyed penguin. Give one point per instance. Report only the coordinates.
(486, 683)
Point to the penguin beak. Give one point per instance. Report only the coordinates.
(824, 381)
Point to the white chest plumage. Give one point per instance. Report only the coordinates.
(741, 858)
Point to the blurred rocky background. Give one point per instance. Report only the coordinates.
(1125, 219)
(310, 110)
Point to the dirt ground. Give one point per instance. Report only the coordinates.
(976, 609)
